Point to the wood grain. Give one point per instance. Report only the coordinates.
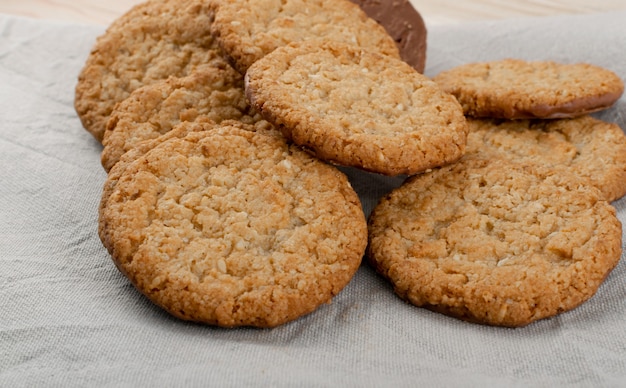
(434, 12)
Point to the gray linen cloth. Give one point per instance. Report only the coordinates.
(69, 318)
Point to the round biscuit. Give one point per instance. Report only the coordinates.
(517, 89)
(357, 108)
(495, 242)
(235, 228)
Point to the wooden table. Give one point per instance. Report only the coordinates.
(434, 11)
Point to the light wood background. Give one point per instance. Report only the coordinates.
(433, 11)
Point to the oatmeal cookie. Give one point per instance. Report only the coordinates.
(357, 108)
(495, 242)
(179, 131)
(517, 89)
(590, 148)
(215, 93)
(152, 41)
(234, 228)
(405, 25)
(247, 30)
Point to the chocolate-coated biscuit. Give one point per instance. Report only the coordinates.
(405, 25)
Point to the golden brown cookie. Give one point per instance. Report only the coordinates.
(247, 30)
(234, 228)
(357, 108)
(405, 25)
(590, 148)
(494, 242)
(179, 131)
(517, 89)
(152, 41)
(215, 93)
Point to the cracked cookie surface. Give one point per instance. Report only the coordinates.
(152, 41)
(210, 92)
(247, 30)
(493, 242)
(590, 148)
(357, 108)
(517, 89)
(234, 228)
(179, 131)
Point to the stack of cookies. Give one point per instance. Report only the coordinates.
(521, 228)
(222, 122)
(207, 208)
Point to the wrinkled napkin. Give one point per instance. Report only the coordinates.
(69, 318)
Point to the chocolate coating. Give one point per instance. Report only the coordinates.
(404, 24)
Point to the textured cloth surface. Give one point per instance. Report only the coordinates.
(69, 318)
